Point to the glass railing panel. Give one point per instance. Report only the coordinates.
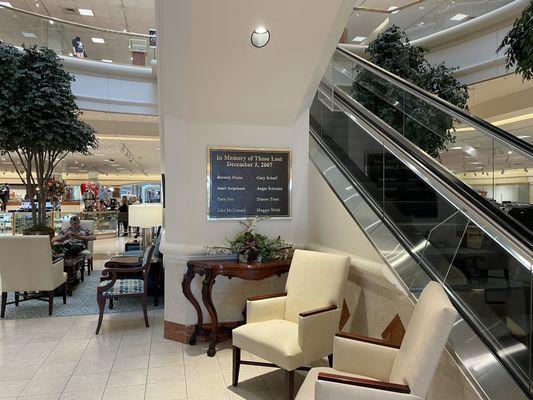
(351, 144)
(18, 28)
(493, 288)
(496, 170)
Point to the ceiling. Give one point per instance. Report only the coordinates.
(419, 20)
(129, 148)
(132, 15)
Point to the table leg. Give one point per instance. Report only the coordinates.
(156, 282)
(207, 288)
(186, 287)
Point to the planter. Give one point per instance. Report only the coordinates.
(249, 260)
(40, 230)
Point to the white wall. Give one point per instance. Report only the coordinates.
(216, 89)
(187, 229)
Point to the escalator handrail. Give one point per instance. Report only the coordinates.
(510, 229)
(503, 136)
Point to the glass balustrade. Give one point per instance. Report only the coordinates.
(417, 18)
(499, 170)
(18, 27)
(490, 286)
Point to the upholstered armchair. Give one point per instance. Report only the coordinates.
(371, 369)
(88, 252)
(295, 328)
(27, 266)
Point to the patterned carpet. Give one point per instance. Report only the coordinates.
(82, 302)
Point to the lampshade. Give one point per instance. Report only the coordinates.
(145, 215)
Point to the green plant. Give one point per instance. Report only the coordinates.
(423, 124)
(253, 245)
(520, 42)
(39, 119)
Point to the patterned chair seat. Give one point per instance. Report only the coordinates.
(124, 286)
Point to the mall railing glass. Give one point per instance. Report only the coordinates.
(19, 27)
(418, 210)
(418, 18)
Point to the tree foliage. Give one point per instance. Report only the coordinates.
(520, 42)
(39, 119)
(424, 125)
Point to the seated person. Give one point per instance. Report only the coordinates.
(72, 239)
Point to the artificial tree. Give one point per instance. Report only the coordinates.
(39, 120)
(520, 45)
(423, 124)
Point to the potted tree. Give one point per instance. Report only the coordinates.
(424, 125)
(520, 45)
(39, 121)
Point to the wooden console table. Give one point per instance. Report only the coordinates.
(210, 269)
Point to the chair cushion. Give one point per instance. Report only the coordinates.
(275, 340)
(124, 286)
(307, 390)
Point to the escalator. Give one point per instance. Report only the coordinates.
(434, 214)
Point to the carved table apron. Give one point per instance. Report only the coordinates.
(210, 269)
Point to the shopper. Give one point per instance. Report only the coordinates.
(124, 209)
(78, 47)
(72, 239)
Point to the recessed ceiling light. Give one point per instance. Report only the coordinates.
(393, 9)
(86, 12)
(51, 22)
(29, 34)
(456, 148)
(98, 40)
(523, 137)
(260, 37)
(5, 4)
(107, 61)
(458, 17)
(476, 162)
(358, 38)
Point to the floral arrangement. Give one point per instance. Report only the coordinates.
(252, 246)
(56, 189)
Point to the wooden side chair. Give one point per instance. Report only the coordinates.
(116, 288)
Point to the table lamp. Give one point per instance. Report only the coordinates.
(145, 216)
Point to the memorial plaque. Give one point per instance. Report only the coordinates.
(245, 183)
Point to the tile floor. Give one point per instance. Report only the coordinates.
(61, 358)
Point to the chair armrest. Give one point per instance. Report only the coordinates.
(316, 330)
(265, 307)
(266, 296)
(339, 387)
(378, 356)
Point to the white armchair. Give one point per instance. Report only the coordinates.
(295, 328)
(371, 369)
(27, 267)
(88, 252)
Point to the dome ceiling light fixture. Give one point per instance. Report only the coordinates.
(260, 37)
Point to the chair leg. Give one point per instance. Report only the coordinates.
(4, 301)
(330, 360)
(17, 295)
(64, 292)
(236, 365)
(101, 306)
(145, 312)
(111, 303)
(50, 301)
(91, 265)
(289, 376)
